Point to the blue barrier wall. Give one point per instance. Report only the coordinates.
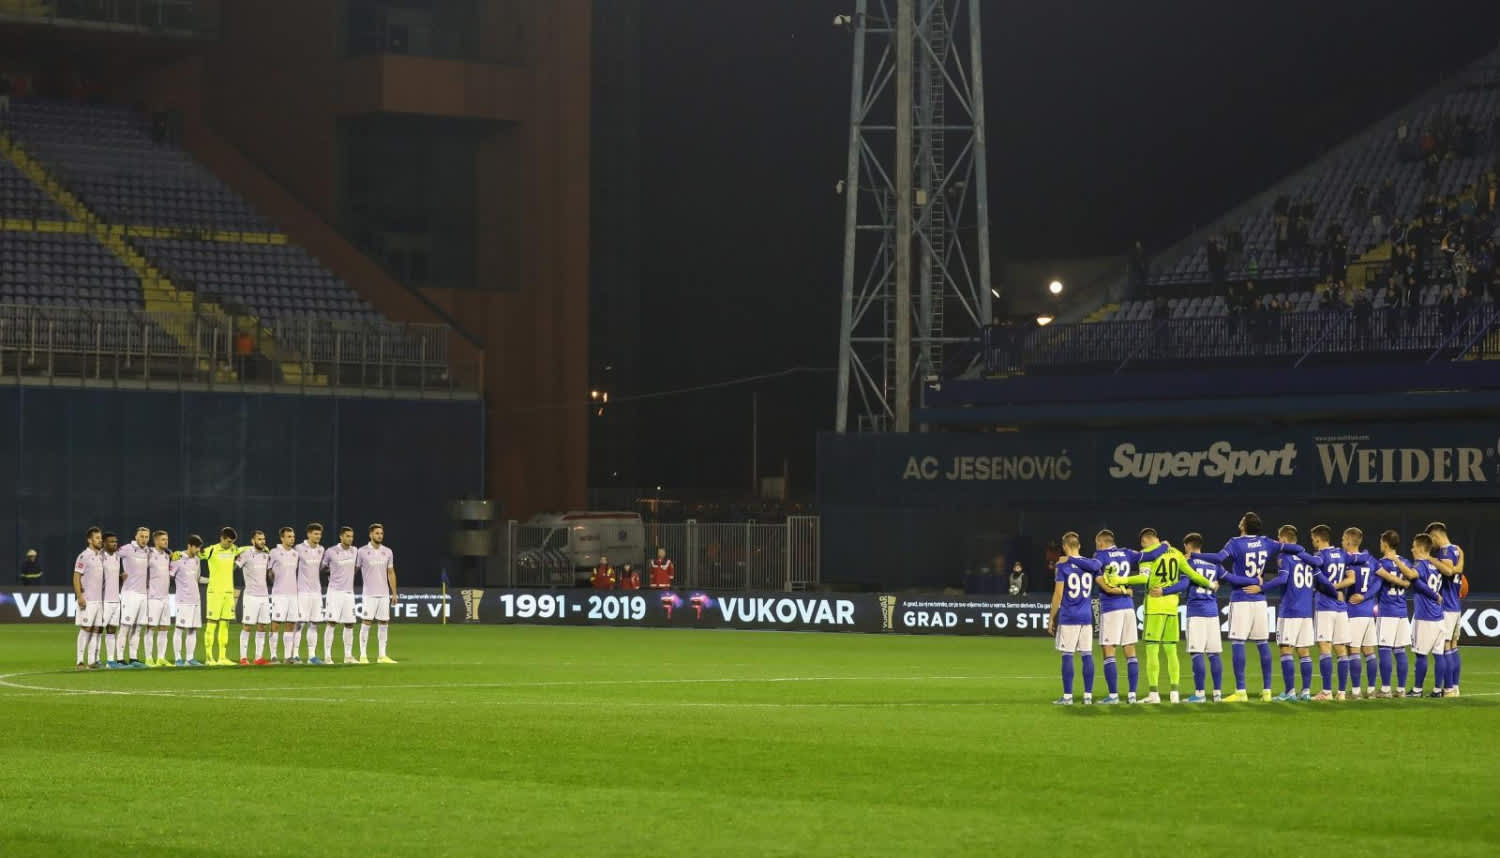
(195, 461)
(920, 510)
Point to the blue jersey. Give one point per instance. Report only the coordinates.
(1247, 558)
(1451, 601)
(1428, 586)
(1122, 562)
(1392, 597)
(1366, 584)
(1299, 582)
(1076, 574)
(1203, 602)
(1335, 561)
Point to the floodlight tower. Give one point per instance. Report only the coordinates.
(916, 216)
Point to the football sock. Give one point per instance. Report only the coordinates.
(1306, 669)
(1132, 673)
(1239, 664)
(1325, 669)
(1288, 672)
(383, 634)
(177, 645)
(260, 644)
(1067, 673)
(1343, 672)
(1088, 664)
(312, 640)
(112, 646)
(1455, 664)
(93, 647)
(1402, 667)
(1199, 672)
(212, 635)
(244, 642)
(192, 645)
(1153, 666)
(1265, 664)
(83, 644)
(224, 640)
(289, 645)
(1174, 665)
(1112, 675)
(1370, 670)
(1216, 670)
(348, 641)
(364, 640)
(1385, 667)
(1421, 673)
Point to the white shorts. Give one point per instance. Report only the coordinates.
(377, 608)
(1394, 632)
(1362, 632)
(255, 610)
(1296, 632)
(284, 608)
(1280, 624)
(132, 609)
(1430, 637)
(88, 615)
(109, 614)
(340, 608)
(309, 608)
(1333, 627)
(1117, 628)
(1452, 620)
(1074, 638)
(1248, 621)
(158, 613)
(1203, 635)
(189, 616)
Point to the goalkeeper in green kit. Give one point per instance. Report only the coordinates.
(1166, 573)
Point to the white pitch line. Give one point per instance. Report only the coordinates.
(6, 681)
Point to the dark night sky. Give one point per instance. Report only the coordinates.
(1108, 122)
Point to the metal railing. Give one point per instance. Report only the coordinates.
(709, 556)
(1427, 332)
(135, 348)
(186, 18)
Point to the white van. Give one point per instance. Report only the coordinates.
(568, 546)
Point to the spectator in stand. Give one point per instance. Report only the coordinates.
(1391, 313)
(1427, 143)
(662, 573)
(603, 577)
(1465, 302)
(1363, 311)
(31, 570)
(1403, 133)
(1017, 579)
(1430, 170)
(1483, 260)
(1460, 262)
(629, 578)
(1447, 309)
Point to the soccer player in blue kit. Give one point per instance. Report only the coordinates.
(1072, 617)
(1246, 557)
(1297, 579)
(1429, 627)
(1117, 623)
(1449, 561)
(1363, 597)
(1394, 629)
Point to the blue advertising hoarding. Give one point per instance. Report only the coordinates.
(1434, 459)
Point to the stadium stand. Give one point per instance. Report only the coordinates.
(111, 236)
(1345, 209)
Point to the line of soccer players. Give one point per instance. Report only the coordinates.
(123, 597)
(1349, 602)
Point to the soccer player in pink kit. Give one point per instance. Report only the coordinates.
(186, 577)
(134, 557)
(88, 589)
(110, 615)
(340, 561)
(158, 588)
(284, 596)
(309, 590)
(377, 574)
(255, 606)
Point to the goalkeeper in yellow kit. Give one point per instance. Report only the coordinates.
(1166, 573)
(218, 561)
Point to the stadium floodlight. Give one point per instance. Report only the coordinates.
(844, 21)
(1043, 320)
(995, 292)
(1055, 287)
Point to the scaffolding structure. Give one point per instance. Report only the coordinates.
(916, 233)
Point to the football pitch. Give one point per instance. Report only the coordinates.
(593, 741)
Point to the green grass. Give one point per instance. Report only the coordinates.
(570, 742)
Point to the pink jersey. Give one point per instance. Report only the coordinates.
(253, 565)
(284, 571)
(158, 574)
(339, 561)
(133, 559)
(373, 563)
(185, 579)
(309, 561)
(111, 577)
(90, 568)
